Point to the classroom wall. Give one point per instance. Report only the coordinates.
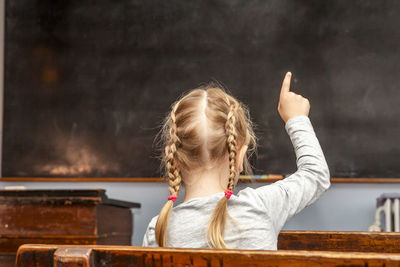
(343, 207)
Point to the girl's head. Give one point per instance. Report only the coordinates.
(205, 127)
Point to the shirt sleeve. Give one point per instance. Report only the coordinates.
(149, 239)
(289, 196)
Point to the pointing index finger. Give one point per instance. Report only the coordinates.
(286, 83)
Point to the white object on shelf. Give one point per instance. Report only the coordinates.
(389, 205)
(396, 214)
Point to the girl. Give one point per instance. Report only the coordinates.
(207, 135)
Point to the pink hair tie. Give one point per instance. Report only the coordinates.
(228, 193)
(173, 198)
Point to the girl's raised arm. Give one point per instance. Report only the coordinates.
(287, 197)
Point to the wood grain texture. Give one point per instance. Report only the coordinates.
(339, 241)
(116, 256)
(161, 180)
(72, 257)
(74, 217)
(67, 219)
(7, 260)
(11, 243)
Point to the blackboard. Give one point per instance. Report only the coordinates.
(87, 83)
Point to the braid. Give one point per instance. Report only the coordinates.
(173, 172)
(216, 227)
(232, 144)
(174, 179)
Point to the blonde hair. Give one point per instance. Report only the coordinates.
(205, 125)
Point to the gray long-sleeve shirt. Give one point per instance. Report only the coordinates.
(256, 215)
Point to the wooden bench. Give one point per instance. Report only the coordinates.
(340, 241)
(122, 256)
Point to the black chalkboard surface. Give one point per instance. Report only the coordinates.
(88, 82)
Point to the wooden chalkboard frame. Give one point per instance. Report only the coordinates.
(160, 180)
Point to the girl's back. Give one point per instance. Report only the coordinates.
(253, 218)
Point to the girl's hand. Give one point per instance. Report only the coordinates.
(291, 104)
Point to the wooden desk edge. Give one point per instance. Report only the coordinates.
(344, 233)
(329, 254)
(158, 180)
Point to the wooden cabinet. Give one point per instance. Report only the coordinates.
(85, 217)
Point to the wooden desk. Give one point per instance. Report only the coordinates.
(61, 217)
(122, 256)
(340, 241)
